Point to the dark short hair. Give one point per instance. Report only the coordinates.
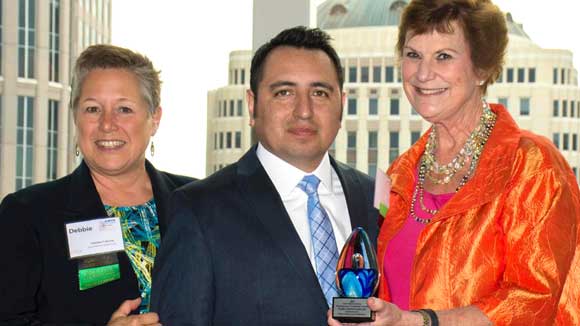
(105, 56)
(298, 37)
(483, 24)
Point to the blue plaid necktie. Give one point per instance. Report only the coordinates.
(323, 242)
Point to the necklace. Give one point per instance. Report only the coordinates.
(478, 137)
(443, 173)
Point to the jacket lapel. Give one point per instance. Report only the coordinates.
(161, 193)
(84, 201)
(265, 201)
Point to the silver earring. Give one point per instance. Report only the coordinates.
(152, 148)
(77, 151)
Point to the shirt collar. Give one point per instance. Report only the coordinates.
(286, 177)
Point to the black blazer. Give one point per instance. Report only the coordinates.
(231, 255)
(38, 282)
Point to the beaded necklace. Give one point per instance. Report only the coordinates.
(471, 151)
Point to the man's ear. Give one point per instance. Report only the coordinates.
(250, 99)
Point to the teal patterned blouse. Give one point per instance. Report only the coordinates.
(140, 228)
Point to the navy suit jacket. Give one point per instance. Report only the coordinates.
(232, 256)
(38, 281)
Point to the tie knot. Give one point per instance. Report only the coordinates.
(309, 184)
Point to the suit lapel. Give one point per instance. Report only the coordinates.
(84, 202)
(265, 201)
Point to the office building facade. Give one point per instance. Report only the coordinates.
(40, 40)
(538, 86)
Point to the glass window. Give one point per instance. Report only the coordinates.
(415, 135)
(352, 74)
(351, 106)
(351, 148)
(556, 139)
(510, 75)
(563, 76)
(574, 142)
(351, 139)
(240, 108)
(373, 106)
(364, 74)
(377, 74)
(24, 136)
(555, 76)
(393, 146)
(390, 74)
(373, 139)
(225, 109)
(503, 101)
(564, 108)
(572, 109)
(243, 76)
(238, 141)
(26, 38)
(521, 75)
(215, 140)
(500, 77)
(232, 108)
(555, 108)
(54, 41)
(52, 140)
(394, 106)
(565, 141)
(221, 140)
(525, 106)
(235, 76)
(532, 75)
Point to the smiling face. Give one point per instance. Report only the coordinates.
(298, 110)
(439, 78)
(113, 122)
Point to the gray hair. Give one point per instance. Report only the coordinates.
(105, 56)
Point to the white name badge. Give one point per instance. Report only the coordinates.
(94, 237)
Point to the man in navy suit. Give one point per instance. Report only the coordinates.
(240, 249)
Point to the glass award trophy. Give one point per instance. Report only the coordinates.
(357, 278)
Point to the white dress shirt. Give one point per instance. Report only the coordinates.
(286, 177)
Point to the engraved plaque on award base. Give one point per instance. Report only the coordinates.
(357, 278)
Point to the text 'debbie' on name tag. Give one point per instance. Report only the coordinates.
(94, 237)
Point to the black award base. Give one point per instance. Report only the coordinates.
(351, 310)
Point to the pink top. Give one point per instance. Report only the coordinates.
(401, 250)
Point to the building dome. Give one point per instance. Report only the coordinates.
(358, 13)
(334, 14)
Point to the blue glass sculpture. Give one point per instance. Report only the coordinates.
(357, 272)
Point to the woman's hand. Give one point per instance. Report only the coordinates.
(386, 314)
(122, 316)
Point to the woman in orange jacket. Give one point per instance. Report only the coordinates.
(483, 221)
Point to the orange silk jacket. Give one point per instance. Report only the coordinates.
(507, 242)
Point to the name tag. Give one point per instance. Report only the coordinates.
(94, 237)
